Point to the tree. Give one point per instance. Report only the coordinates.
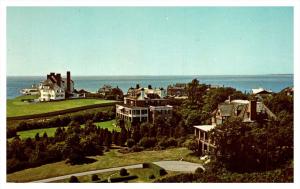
(108, 138)
(123, 136)
(123, 172)
(37, 137)
(95, 177)
(73, 179)
(130, 142)
(193, 145)
(73, 150)
(136, 135)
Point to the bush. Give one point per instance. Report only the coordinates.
(130, 142)
(123, 172)
(11, 132)
(167, 143)
(95, 177)
(148, 142)
(73, 179)
(151, 177)
(158, 171)
(199, 170)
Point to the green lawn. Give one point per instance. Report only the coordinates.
(15, 107)
(110, 159)
(110, 125)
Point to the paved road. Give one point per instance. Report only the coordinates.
(183, 166)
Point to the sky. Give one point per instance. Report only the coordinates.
(103, 41)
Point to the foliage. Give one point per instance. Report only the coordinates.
(95, 177)
(123, 172)
(73, 179)
(148, 142)
(263, 146)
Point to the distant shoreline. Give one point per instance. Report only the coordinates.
(160, 75)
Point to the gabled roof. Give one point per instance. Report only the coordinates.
(261, 91)
(205, 128)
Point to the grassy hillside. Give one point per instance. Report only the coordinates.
(15, 107)
(110, 159)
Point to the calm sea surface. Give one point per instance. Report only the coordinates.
(93, 83)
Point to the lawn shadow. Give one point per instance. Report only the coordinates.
(83, 161)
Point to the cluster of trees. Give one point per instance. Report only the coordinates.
(73, 144)
(202, 100)
(63, 121)
(215, 173)
(162, 133)
(263, 145)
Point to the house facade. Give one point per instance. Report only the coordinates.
(56, 88)
(177, 90)
(247, 110)
(143, 105)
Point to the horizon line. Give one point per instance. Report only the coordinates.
(157, 75)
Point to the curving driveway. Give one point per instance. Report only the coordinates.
(182, 166)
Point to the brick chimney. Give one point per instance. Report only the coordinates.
(229, 99)
(68, 81)
(58, 79)
(142, 94)
(252, 109)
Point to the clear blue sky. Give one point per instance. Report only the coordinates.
(149, 41)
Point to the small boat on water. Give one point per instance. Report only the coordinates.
(30, 91)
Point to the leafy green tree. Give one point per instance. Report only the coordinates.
(123, 136)
(73, 150)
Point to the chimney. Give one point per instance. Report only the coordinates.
(142, 93)
(68, 81)
(52, 74)
(58, 79)
(252, 109)
(229, 99)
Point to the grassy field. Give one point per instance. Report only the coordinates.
(110, 159)
(15, 123)
(110, 125)
(15, 107)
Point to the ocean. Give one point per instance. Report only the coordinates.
(92, 83)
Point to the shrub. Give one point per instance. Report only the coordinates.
(73, 179)
(199, 170)
(158, 171)
(95, 177)
(123, 172)
(151, 177)
(148, 142)
(167, 143)
(130, 142)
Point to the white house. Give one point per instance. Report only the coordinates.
(57, 88)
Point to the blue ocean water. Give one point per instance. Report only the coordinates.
(93, 83)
